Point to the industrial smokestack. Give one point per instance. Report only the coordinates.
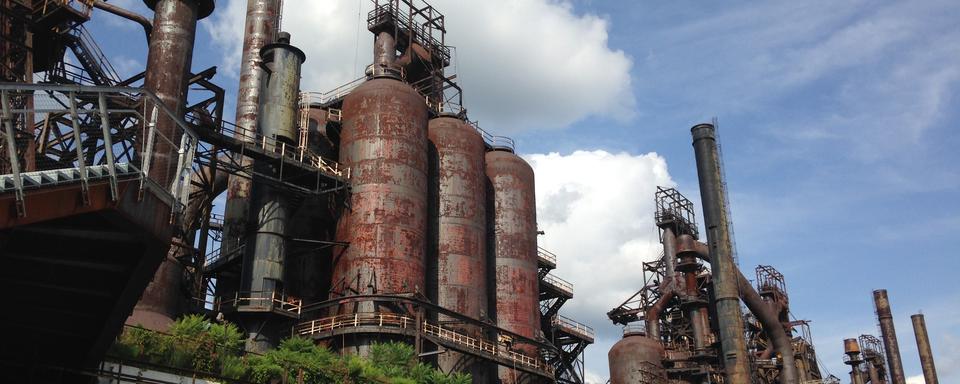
(726, 292)
(263, 17)
(923, 346)
(890, 343)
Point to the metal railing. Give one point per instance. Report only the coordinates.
(262, 300)
(571, 326)
(559, 283)
(383, 319)
(287, 150)
(546, 256)
(421, 33)
(333, 94)
(83, 7)
(80, 129)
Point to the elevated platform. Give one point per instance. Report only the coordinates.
(75, 271)
(81, 238)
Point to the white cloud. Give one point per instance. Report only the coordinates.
(530, 64)
(597, 211)
(918, 379)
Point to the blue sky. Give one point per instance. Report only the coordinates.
(838, 122)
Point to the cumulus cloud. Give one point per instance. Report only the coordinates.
(596, 209)
(533, 64)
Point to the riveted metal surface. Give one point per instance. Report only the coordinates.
(890, 343)
(458, 201)
(635, 359)
(168, 66)
(260, 28)
(384, 142)
(514, 245)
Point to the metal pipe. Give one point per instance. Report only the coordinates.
(127, 14)
(926, 352)
(262, 21)
(669, 251)
(890, 344)
(767, 315)
(687, 253)
(713, 196)
(693, 313)
(872, 373)
(652, 317)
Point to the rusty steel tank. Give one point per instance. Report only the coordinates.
(514, 244)
(384, 142)
(635, 359)
(458, 230)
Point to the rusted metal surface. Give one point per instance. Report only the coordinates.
(923, 347)
(852, 358)
(168, 67)
(384, 142)
(458, 230)
(635, 359)
(890, 343)
(514, 245)
(260, 28)
(713, 196)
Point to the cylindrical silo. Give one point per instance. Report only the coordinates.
(514, 246)
(635, 359)
(384, 142)
(458, 231)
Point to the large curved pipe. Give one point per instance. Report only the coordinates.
(127, 14)
(652, 317)
(767, 315)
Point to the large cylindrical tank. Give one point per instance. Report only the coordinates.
(384, 142)
(458, 230)
(514, 245)
(635, 359)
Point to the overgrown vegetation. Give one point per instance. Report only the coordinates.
(216, 350)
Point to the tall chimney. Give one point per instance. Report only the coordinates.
(923, 346)
(890, 343)
(261, 26)
(726, 292)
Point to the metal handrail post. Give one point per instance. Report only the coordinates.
(147, 154)
(12, 153)
(108, 144)
(74, 118)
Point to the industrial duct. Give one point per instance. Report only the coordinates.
(767, 316)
